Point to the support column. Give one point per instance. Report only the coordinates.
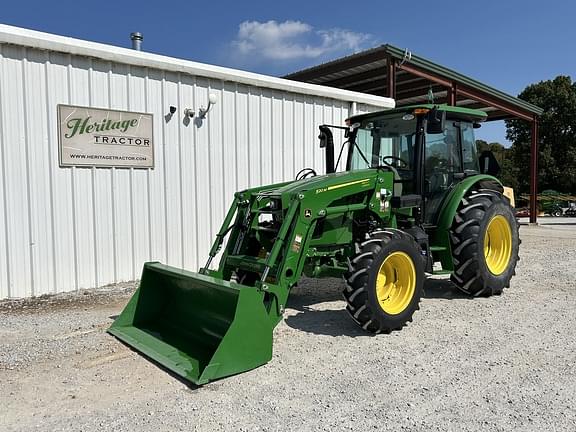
(534, 172)
(391, 77)
(452, 95)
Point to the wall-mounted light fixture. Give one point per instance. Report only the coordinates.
(212, 99)
(170, 113)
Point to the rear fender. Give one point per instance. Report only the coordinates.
(440, 236)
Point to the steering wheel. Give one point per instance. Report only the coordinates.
(305, 173)
(403, 163)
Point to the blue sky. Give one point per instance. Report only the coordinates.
(507, 44)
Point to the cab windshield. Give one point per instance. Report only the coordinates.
(385, 141)
(390, 140)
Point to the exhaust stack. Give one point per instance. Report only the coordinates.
(137, 39)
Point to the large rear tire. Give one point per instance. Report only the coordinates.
(384, 282)
(485, 242)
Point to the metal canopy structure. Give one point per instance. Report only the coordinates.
(399, 74)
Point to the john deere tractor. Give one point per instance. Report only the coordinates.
(405, 198)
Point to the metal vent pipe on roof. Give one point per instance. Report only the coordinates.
(137, 39)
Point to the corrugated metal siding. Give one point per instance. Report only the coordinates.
(64, 229)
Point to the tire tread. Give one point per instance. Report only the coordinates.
(464, 237)
(356, 280)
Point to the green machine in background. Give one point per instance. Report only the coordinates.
(412, 200)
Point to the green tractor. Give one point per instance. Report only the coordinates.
(411, 201)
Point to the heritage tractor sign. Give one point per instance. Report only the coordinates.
(104, 138)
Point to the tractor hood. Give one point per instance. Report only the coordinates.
(326, 182)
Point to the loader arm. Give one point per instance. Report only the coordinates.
(309, 226)
(216, 323)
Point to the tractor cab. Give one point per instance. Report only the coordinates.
(428, 148)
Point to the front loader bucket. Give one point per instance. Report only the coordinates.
(198, 326)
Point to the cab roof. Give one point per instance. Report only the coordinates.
(452, 112)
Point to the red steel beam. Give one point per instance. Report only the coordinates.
(534, 172)
(473, 94)
(423, 74)
(494, 102)
(452, 94)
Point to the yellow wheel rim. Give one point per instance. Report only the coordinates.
(396, 283)
(498, 244)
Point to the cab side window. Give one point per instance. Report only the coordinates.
(442, 161)
(469, 153)
(442, 157)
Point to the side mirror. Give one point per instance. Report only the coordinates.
(326, 138)
(327, 142)
(488, 163)
(435, 121)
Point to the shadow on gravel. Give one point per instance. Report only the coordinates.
(337, 322)
(314, 293)
(326, 322)
(443, 289)
(330, 322)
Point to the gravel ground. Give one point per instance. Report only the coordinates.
(502, 363)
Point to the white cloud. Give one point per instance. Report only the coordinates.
(292, 40)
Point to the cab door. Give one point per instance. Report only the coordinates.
(443, 167)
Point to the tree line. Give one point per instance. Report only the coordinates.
(557, 140)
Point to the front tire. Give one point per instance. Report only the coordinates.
(485, 242)
(384, 284)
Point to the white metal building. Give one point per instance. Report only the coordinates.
(67, 228)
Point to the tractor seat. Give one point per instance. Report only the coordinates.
(397, 183)
(397, 188)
